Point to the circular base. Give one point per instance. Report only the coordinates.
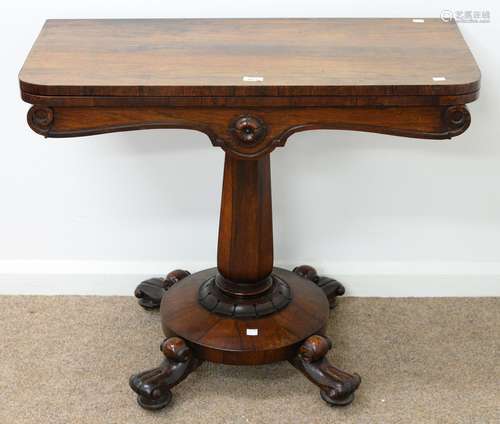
(244, 341)
(154, 405)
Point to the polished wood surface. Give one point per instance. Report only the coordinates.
(245, 250)
(389, 76)
(211, 57)
(153, 386)
(218, 338)
(150, 291)
(428, 122)
(337, 386)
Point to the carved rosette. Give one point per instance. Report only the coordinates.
(457, 119)
(40, 119)
(248, 130)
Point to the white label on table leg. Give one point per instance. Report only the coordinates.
(252, 331)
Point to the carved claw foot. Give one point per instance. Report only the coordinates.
(337, 386)
(151, 291)
(332, 288)
(153, 386)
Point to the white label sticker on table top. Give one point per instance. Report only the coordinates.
(439, 78)
(252, 331)
(253, 79)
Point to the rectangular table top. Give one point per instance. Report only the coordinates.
(249, 57)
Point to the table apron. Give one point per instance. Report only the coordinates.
(249, 133)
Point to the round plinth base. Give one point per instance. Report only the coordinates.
(244, 341)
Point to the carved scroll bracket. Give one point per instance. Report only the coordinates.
(153, 386)
(337, 387)
(40, 119)
(458, 119)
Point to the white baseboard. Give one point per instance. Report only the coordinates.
(370, 279)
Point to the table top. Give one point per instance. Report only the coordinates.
(249, 57)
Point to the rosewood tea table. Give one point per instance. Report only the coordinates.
(248, 85)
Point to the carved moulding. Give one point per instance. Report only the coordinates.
(249, 134)
(153, 386)
(337, 387)
(40, 119)
(458, 119)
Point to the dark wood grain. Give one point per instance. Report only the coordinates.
(331, 287)
(88, 77)
(153, 386)
(245, 251)
(251, 101)
(337, 387)
(223, 339)
(150, 291)
(210, 57)
(230, 300)
(429, 122)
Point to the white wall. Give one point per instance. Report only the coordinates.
(388, 215)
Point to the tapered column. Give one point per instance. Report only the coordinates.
(245, 251)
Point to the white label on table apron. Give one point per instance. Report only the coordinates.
(252, 331)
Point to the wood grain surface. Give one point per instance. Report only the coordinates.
(433, 122)
(218, 338)
(390, 76)
(245, 249)
(211, 57)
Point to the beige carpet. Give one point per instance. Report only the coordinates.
(68, 359)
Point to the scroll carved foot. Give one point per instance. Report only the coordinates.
(153, 386)
(332, 288)
(151, 291)
(337, 386)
